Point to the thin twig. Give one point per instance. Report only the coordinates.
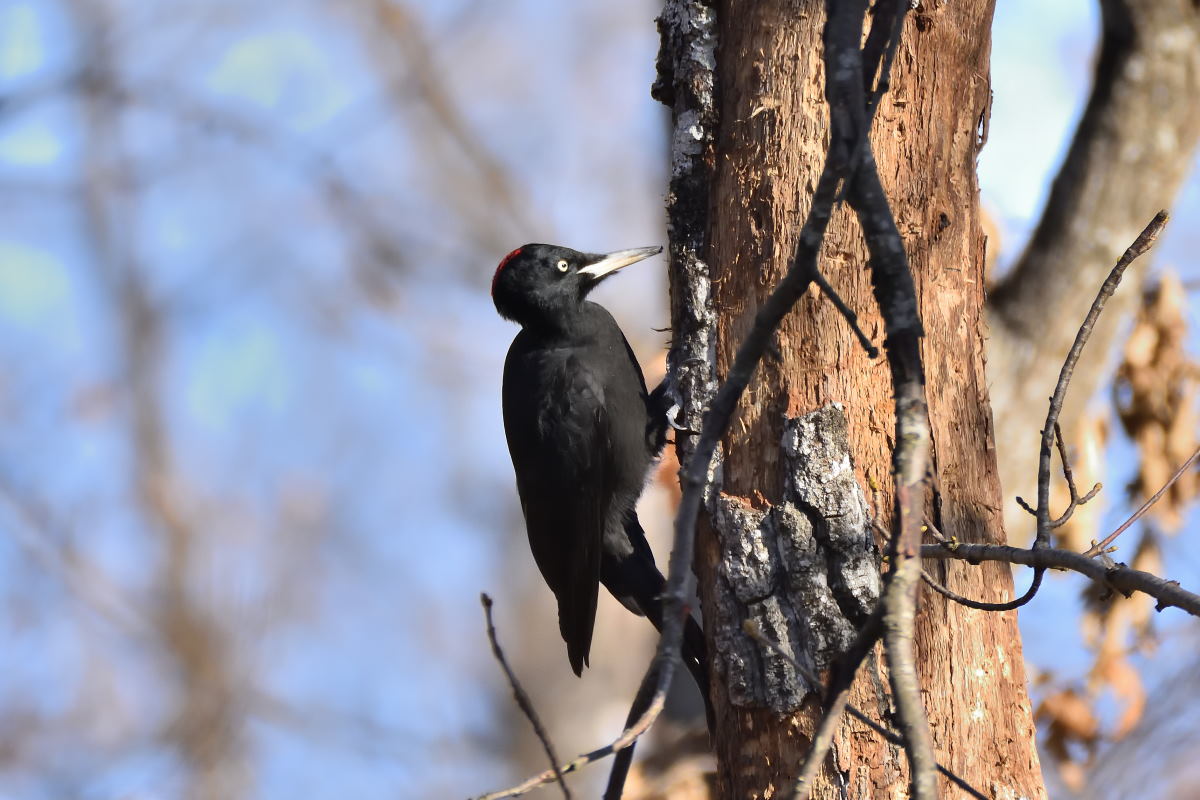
(837, 693)
(522, 698)
(1096, 549)
(1076, 500)
(881, 45)
(548, 776)
(847, 313)
(1140, 245)
(624, 757)
(1119, 577)
(1044, 525)
(1069, 477)
(978, 605)
(895, 294)
(1035, 585)
(889, 55)
(836, 702)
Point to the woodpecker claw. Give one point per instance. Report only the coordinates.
(676, 426)
(670, 400)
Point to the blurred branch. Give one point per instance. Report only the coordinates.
(380, 244)
(35, 533)
(205, 727)
(895, 293)
(1131, 151)
(391, 24)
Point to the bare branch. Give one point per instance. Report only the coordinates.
(1140, 245)
(1044, 524)
(638, 722)
(836, 701)
(624, 757)
(896, 295)
(1108, 540)
(1069, 477)
(1076, 500)
(1119, 576)
(399, 26)
(847, 313)
(522, 697)
(542, 778)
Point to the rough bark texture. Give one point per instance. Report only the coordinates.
(1132, 150)
(773, 551)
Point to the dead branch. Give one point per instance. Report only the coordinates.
(1069, 476)
(1146, 506)
(521, 696)
(1140, 245)
(1044, 524)
(624, 756)
(896, 295)
(1118, 576)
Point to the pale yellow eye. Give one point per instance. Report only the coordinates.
(562, 265)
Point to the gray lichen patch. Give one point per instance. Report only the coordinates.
(805, 571)
(820, 476)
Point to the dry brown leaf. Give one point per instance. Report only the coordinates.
(1073, 775)
(1120, 676)
(1155, 393)
(1068, 713)
(1070, 724)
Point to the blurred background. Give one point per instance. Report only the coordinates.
(252, 470)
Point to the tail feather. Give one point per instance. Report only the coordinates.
(636, 582)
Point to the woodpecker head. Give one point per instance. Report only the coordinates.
(539, 284)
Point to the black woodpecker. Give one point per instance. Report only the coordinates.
(583, 434)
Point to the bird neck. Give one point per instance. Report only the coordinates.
(567, 320)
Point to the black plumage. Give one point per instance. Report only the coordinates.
(583, 434)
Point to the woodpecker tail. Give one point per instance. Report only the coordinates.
(636, 582)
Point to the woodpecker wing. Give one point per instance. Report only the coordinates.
(558, 436)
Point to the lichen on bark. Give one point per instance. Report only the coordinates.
(804, 570)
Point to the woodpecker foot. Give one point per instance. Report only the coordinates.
(667, 400)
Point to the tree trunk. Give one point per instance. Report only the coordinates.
(788, 543)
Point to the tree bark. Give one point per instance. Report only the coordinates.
(787, 541)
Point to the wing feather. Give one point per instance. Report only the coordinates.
(557, 429)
